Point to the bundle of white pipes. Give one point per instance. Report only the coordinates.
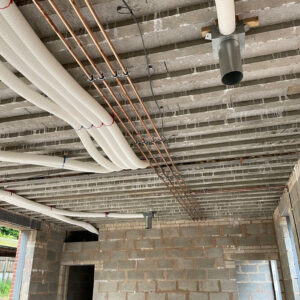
(21, 47)
(60, 214)
(67, 100)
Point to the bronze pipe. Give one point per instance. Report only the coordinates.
(79, 14)
(181, 201)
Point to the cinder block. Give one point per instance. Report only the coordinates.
(100, 296)
(214, 252)
(170, 232)
(165, 264)
(218, 274)
(187, 285)
(136, 275)
(163, 243)
(108, 245)
(164, 286)
(186, 263)
(249, 268)
(135, 254)
(175, 253)
(125, 244)
(256, 228)
(219, 296)
(91, 246)
(176, 296)
(228, 285)
(109, 286)
(232, 230)
(136, 296)
(157, 253)
(133, 234)
(118, 255)
(117, 296)
(258, 277)
(146, 286)
(190, 231)
(199, 296)
(182, 242)
(156, 296)
(72, 247)
(110, 265)
(208, 286)
(155, 275)
(115, 235)
(196, 274)
(204, 241)
(210, 230)
(152, 234)
(127, 286)
(116, 275)
(144, 244)
(224, 241)
(126, 264)
(145, 265)
(173, 274)
(205, 263)
(194, 252)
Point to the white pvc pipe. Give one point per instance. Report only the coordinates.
(18, 23)
(19, 201)
(17, 85)
(51, 162)
(61, 214)
(226, 16)
(14, 50)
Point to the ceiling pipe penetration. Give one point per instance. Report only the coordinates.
(228, 40)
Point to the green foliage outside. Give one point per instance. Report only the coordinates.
(9, 233)
(5, 288)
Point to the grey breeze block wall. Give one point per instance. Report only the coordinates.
(254, 280)
(42, 264)
(289, 206)
(174, 260)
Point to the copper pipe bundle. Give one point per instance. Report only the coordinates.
(180, 192)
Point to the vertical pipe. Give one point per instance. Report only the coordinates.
(226, 16)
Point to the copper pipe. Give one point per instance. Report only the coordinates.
(128, 98)
(236, 190)
(96, 69)
(101, 27)
(181, 200)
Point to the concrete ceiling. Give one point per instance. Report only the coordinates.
(221, 138)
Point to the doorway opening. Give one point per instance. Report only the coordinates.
(80, 282)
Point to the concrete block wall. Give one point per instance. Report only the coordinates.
(42, 265)
(290, 277)
(254, 280)
(174, 260)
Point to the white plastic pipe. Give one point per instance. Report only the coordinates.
(226, 16)
(18, 23)
(61, 214)
(51, 162)
(22, 59)
(17, 85)
(19, 201)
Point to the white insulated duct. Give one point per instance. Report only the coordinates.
(61, 214)
(15, 52)
(226, 16)
(17, 85)
(20, 26)
(19, 201)
(51, 162)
